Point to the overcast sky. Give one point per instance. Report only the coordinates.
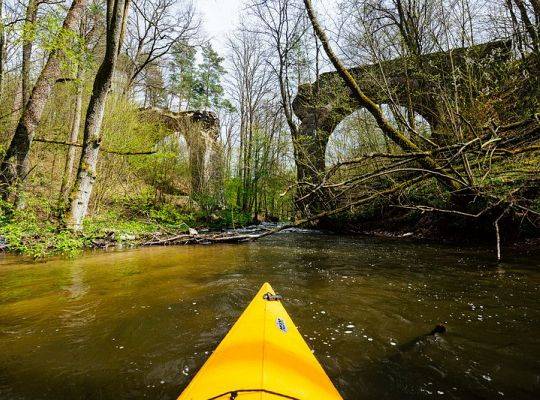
(220, 17)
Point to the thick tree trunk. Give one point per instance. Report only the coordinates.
(73, 137)
(86, 173)
(15, 165)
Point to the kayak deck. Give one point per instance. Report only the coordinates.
(262, 357)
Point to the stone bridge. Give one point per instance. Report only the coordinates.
(419, 84)
(200, 129)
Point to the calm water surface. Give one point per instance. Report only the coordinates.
(139, 323)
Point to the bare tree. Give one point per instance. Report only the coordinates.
(526, 17)
(86, 174)
(2, 46)
(282, 26)
(153, 28)
(250, 82)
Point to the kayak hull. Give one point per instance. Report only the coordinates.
(262, 357)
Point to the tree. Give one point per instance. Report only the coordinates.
(86, 174)
(91, 30)
(15, 164)
(208, 91)
(28, 40)
(154, 27)
(154, 86)
(282, 27)
(183, 74)
(2, 46)
(526, 18)
(250, 81)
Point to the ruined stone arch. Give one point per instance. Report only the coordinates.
(414, 83)
(200, 130)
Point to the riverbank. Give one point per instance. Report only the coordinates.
(40, 239)
(37, 231)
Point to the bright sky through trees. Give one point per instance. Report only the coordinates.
(219, 17)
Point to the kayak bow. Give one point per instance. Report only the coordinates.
(262, 357)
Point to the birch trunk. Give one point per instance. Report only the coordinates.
(2, 46)
(86, 173)
(15, 164)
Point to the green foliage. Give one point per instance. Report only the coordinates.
(183, 72)
(26, 233)
(158, 213)
(197, 86)
(49, 34)
(207, 88)
(155, 95)
(231, 218)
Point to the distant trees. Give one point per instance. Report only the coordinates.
(281, 26)
(263, 167)
(183, 75)
(207, 89)
(154, 28)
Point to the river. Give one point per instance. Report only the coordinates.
(139, 323)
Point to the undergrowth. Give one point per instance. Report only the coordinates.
(36, 232)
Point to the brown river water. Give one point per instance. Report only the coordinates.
(139, 323)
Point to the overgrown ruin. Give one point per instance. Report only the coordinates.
(419, 85)
(200, 129)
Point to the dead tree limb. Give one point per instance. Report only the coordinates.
(117, 152)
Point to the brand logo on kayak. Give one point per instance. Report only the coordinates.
(281, 325)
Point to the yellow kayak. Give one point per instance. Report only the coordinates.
(262, 357)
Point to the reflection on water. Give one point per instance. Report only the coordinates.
(139, 323)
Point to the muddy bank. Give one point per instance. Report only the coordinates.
(440, 228)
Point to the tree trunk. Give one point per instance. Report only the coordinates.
(30, 20)
(73, 137)
(15, 164)
(86, 173)
(2, 46)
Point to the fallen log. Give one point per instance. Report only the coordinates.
(185, 239)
